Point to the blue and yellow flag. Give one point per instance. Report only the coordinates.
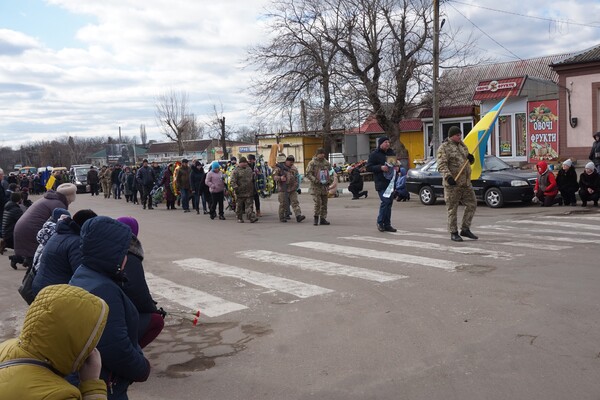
(480, 134)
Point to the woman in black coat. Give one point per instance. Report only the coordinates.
(566, 180)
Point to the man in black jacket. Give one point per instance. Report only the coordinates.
(380, 165)
(146, 178)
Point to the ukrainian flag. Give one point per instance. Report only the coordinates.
(480, 134)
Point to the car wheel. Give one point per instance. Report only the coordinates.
(427, 196)
(493, 198)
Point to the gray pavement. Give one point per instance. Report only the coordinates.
(347, 312)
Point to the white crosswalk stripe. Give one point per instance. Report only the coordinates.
(326, 267)
(556, 224)
(191, 299)
(517, 230)
(431, 246)
(529, 245)
(491, 231)
(298, 289)
(357, 252)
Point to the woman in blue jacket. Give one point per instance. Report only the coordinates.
(104, 246)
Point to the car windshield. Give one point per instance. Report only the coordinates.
(81, 172)
(495, 164)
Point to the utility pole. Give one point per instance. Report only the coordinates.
(223, 143)
(435, 139)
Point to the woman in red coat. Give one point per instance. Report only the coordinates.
(546, 188)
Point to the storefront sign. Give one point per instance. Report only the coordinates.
(494, 86)
(542, 130)
(247, 149)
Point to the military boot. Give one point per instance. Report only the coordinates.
(316, 221)
(324, 221)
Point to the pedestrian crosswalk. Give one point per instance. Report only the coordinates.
(306, 270)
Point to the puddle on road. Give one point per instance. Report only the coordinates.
(475, 269)
(182, 349)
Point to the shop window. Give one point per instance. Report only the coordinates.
(505, 145)
(521, 134)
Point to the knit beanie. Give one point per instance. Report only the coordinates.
(57, 212)
(381, 139)
(454, 130)
(131, 223)
(568, 163)
(83, 215)
(215, 165)
(68, 190)
(242, 160)
(590, 165)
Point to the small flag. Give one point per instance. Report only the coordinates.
(50, 182)
(480, 134)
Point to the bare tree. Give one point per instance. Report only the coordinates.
(143, 135)
(299, 68)
(174, 118)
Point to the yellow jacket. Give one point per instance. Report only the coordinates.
(62, 327)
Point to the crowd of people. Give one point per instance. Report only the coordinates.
(88, 292)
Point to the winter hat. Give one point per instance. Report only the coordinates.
(251, 157)
(290, 158)
(83, 215)
(185, 160)
(131, 223)
(597, 134)
(215, 165)
(320, 150)
(381, 139)
(281, 157)
(242, 160)
(68, 190)
(568, 163)
(590, 165)
(233, 160)
(454, 130)
(57, 212)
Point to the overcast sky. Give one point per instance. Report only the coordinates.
(86, 67)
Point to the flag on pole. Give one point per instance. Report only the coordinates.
(480, 134)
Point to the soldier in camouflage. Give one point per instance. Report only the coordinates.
(286, 176)
(452, 155)
(317, 172)
(242, 182)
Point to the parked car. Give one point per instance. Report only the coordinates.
(499, 183)
(78, 175)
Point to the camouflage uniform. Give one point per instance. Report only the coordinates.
(242, 183)
(106, 183)
(451, 157)
(287, 189)
(318, 188)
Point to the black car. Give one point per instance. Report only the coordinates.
(499, 183)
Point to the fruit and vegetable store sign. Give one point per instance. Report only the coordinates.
(542, 130)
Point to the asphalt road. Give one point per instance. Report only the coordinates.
(294, 311)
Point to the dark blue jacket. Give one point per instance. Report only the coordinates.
(60, 258)
(135, 286)
(104, 244)
(377, 159)
(197, 178)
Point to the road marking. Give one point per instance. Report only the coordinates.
(358, 252)
(513, 230)
(190, 298)
(327, 267)
(541, 237)
(431, 246)
(556, 225)
(298, 289)
(577, 216)
(528, 245)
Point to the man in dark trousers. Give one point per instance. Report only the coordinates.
(146, 178)
(93, 180)
(381, 164)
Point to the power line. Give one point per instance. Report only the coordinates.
(482, 31)
(525, 16)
